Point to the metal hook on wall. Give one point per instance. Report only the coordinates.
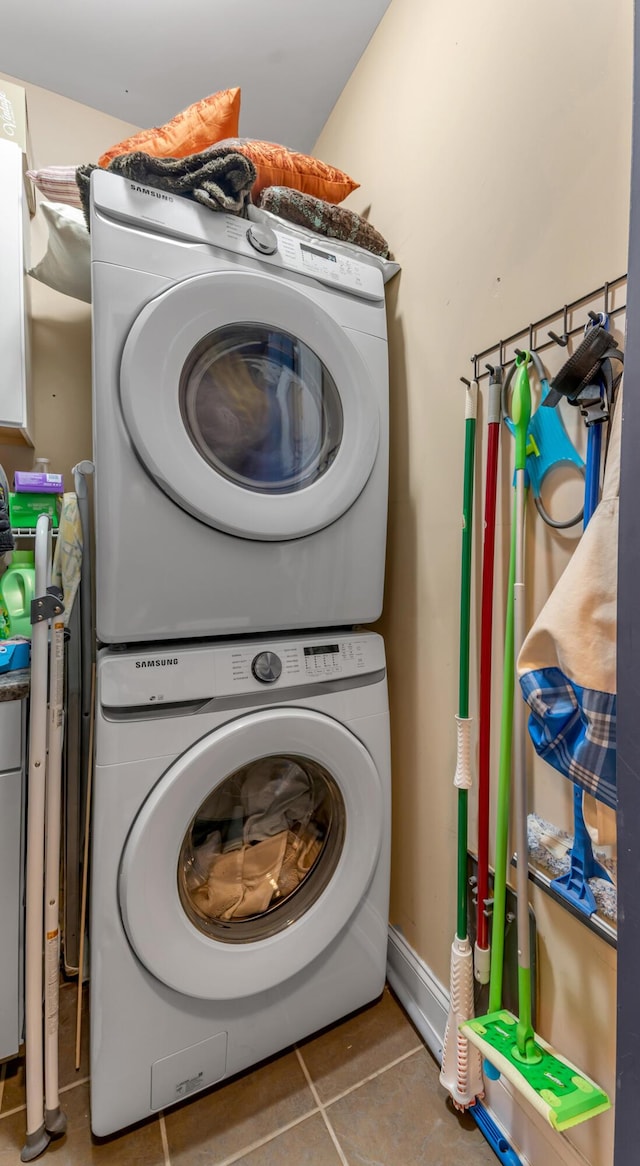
(564, 339)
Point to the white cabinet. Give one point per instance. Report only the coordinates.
(15, 419)
(11, 876)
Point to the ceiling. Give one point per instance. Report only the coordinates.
(144, 60)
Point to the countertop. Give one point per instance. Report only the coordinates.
(14, 685)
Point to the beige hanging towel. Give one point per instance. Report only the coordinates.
(567, 665)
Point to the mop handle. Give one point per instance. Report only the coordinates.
(471, 410)
(592, 480)
(521, 418)
(486, 633)
(504, 779)
(520, 737)
(510, 701)
(461, 1072)
(462, 778)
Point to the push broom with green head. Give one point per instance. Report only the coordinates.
(461, 1072)
(559, 1091)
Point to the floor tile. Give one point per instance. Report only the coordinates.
(13, 1091)
(402, 1116)
(211, 1128)
(141, 1145)
(14, 1086)
(307, 1144)
(344, 1055)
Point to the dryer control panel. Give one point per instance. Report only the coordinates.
(270, 243)
(168, 675)
(314, 257)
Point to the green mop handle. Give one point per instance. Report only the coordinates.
(521, 412)
(462, 779)
(504, 779)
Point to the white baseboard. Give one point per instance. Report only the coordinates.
(426, 1003)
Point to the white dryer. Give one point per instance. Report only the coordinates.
(240, 390)
(240, 862)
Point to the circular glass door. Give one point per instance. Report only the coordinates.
(261, 848)
(261, 408)
(251, 853)
(249, 406)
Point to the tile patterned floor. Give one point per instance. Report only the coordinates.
(363, 1093)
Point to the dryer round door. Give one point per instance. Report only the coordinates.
(251, 853)
(249, 406)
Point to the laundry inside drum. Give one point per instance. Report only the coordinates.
(262, 848)
(261, 408)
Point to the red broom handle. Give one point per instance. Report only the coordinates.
(486, 634)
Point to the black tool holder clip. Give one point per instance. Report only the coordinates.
(44, 607)
(582, 377)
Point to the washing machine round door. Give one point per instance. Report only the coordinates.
(249, 405)
(251, 853)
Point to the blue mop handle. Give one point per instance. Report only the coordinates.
(594, 447)
(494, 1136)
(592, 477)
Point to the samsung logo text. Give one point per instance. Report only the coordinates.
(150, 193)
(167, 662)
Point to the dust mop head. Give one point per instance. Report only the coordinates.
(559, 1091)
(461, 1072)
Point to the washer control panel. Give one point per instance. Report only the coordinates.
(164, 674)
(300, 662)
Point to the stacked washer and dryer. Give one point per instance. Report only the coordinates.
(241, 833)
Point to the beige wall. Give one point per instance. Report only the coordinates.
(492, 142)
(62, 132)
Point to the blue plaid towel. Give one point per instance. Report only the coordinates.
(574, 729)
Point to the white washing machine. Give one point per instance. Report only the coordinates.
(240, 862)
(240, 390)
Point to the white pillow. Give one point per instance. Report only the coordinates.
(66, 264)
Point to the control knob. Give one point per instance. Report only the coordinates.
(266, 667)
(262, 238)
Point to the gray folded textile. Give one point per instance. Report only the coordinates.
(336, 222)
(218, 177)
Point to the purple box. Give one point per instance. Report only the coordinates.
(25, 482)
